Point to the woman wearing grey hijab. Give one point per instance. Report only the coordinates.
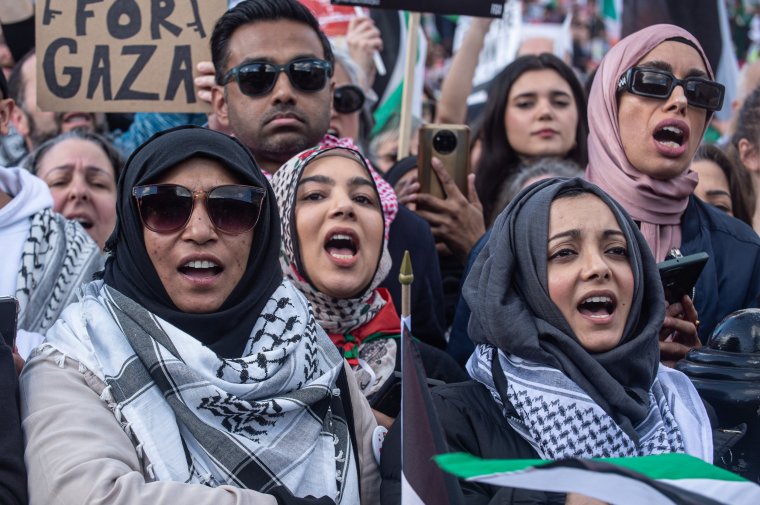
(567, 307)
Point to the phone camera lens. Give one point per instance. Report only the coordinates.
(444, 141)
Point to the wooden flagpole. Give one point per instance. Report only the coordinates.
(405, 125)
(405, 278)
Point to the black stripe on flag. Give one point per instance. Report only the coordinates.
(422, 435)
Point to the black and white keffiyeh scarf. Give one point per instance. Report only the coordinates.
(57, 258)
(271, 417)
(560, 420)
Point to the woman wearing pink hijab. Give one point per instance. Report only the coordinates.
(651, 101)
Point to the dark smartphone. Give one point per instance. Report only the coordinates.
(679, 275)
(8, 319)
(388, 399)
(450, 143)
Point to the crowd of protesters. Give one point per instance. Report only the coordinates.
(209, 304)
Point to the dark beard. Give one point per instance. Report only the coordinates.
(37, 137)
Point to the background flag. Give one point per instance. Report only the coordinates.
(393, 26)
(664, 479)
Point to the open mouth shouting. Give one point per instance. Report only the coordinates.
(598, 307)
(342, 247)
(201, 270)
(73, 120)
(671, 137)
(86, 222)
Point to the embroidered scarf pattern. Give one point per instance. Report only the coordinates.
(560, 420)
(57, 257)
(335, 315)
(271, 417)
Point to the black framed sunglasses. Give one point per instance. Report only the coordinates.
(257, 78)
(348, 99)
(166, 208)
(655, 83)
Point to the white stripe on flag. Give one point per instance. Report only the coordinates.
(734, 492)
(610, 488)
(408, 494)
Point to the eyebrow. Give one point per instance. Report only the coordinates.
(531, 94)
(717, 192)
(68, 167)
(576, 234)
(664, 65)
(266, 59)
(323, 179)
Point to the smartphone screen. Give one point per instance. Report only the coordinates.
(8, 319)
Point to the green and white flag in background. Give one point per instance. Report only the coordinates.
(665, 479)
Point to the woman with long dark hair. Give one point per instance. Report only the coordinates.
(535, 108)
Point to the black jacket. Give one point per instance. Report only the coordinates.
(12, 469)
(410, 231)
(731, 278)
(472, 423)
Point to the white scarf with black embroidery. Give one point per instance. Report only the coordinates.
(57, 258)
(560, 420)
(269, 418)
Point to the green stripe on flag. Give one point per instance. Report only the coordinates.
(661, 466)
(465, 465)
(389, 107)
(608, 9)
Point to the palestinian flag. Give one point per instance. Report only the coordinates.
(389, 87)
(707, 20)
(672, 479)
(422, 482)
(611, 10)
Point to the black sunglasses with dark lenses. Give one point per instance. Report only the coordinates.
(258, 77)
(348, 99)
(166, 208)
(654, 83)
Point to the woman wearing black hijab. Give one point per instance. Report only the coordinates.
(193, 373)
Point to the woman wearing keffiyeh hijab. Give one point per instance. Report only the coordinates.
(566, 309)
(651, 101)
(334, 249)
(193, 372)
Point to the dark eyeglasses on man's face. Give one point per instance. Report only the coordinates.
(656, 83)
(258, 78)
(348, 99)
(166, 208)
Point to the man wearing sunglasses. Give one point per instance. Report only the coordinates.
(274, 91)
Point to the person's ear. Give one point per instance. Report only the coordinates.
(20, 121)
(219, 103)
(6, 109)
(749, 156)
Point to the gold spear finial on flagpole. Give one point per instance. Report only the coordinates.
(405, 278)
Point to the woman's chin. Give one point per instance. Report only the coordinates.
(341, 288)
(191, 304)
(603, 341)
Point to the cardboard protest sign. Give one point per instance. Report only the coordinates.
(122, 55)
(480, 8)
